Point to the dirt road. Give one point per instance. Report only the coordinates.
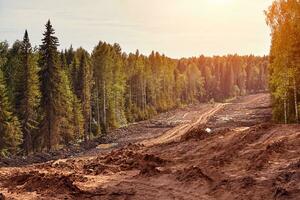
(243, 157)
(177, 132)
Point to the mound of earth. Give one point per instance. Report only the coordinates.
(244, 158)
(195, 133)
(131, 158)
(128, 158)
(192, 174)
(42, 183)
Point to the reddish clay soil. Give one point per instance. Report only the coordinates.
(222, 151)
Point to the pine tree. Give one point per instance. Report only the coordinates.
(12, 71)
(63, 61)
(83, 94)
(10, 131)
(70, 114)
(85, 87)
(29, 95)
(229, 81)
(3, 53)
(69, 54)
(74, 77)
(118, 87)
(195, 84)
(50, 83)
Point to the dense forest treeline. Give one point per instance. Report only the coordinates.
(49, 99)
(283, 17)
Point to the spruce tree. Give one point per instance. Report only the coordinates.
(12, 71)
(63, 60)
(85, 86)
(50, 81)
(29, 95)
(70, 115)
(74, 76)
(10, 131)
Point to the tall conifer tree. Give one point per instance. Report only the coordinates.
(85, 86)
(50, 81)
(30, 94)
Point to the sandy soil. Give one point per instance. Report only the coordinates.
(243, 156)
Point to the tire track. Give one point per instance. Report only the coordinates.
(178, 131)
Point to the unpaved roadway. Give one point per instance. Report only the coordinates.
(177, 132)
(245, 156)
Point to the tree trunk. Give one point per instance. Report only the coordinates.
(49, 134)
(98, 107)
(85, 112)
(145, 95)
(130, 97)
(104, 105)
(27, 143)
(285, 111)
(90, 122)
(296, 101)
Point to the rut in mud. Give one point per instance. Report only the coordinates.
(243, 156)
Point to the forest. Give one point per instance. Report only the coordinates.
(51, 98)
(100, 121)
(283, 17)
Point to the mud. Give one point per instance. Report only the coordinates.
(34, 181)
(192, 174)
(245, 157)
(197, 133)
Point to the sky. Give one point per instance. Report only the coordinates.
(177, 28)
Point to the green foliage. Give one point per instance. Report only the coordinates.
(28, 97)
(10, 131)
(65, 97)
(69, 112)
(3, 54)
(84, 92)
(109, 85)
(50, 76)
(283, 17)
(12, 72)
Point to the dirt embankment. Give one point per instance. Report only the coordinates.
(235, 153)
(119, 138)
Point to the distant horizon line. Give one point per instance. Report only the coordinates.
(144, 54)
